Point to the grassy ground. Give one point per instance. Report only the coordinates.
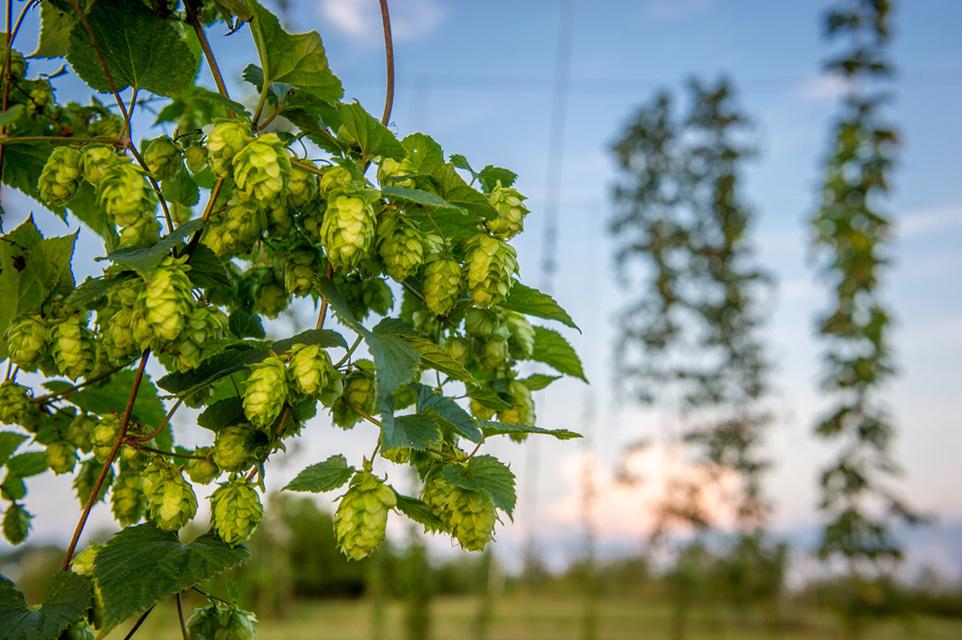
(541, 618)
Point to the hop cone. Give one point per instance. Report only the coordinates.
(97, 160)
(309, 368)
(520, 335)
(232, 450)
(362, 515)
(481, 323)
(359, 396)
(173, 504)
(27, 340)
(439, 496)
(41, 95)
(395, 173)
(162, 157)
(270, 296)
(104, 435)
(491, 263)
(61, 456)
(347, 231)
(442, 284)
(521, 410)
(142, 233)
(459, 349)
(262, 167)
(196, 157)
(16, 524)
(167, 300)
(280, 222)
(221, 621)
(511, 212)
(235, 511)
(472, 518)
(118, 335)
(79, 431)
(60, 176)
(494, 352)
(335, 178)
(203, 325)
(127, 499)
(224, 141)
(400, 247)
(202, 470)
(301, 188)
(73, 347)
(299, 271)
(124, 194)
(266, 392)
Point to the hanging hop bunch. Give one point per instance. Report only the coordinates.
(491, 264)
(124, 194)
(61, 456)
(60, 176)
(171, 502)
(203, 325)
(400, 246)
(235, 511)
(97, 160)
(396, 173)
(312, 373)
(442, 284)
(16, 524)
(14, 402)
(127, 500)
(162, 157)
(266, 392)
(224, 141)
(359, 396)
(73, 347)
(166, 301)
(232, 449)
(27, 341)
(221, 621)
(361, 516)
(348, 229)
(261, 168)
(511, 212)
(472, 518)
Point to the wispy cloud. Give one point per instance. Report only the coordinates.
(361, 20)
(824, 86)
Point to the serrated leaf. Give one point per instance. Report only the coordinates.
(181, 189)
(68, 597)
(491, 175)
(531, 302)
(9, 442)
(419, 512)
(142, 565)
(460, 162)
(207, 271)
(11, 115)
(551, 348)
(323, 337)
(417, 431)
(484, 473)
(84, 207)
(25, 465)
(213, 369)
(323, 476)
(111, 395)
(13, 487)
(91, 291)
(244, 324)
(223, 413)
(142, 50)
(455, 190)
(396, 361)
(55, 28)
(146, 259)
(417, 196)
(454, 416)
(438, 358)
(22, 165)
(491, 428)
(423, 153)
(362, 129)
(538, 381)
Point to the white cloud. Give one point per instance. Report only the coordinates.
(825, 86)
(361, 19)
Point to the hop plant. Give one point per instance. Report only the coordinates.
(162, 157)
(520, 335)
(61, 456)
(104, 435)
(440, 497)
(262, 167)
(232, 451)
(481, 323)
(302, 188)
(442, 284)
(118, 336)
(224, 141)
(361, 516)
(235, 511)
(202, 469)
(491, 264)
(359, 396)
(166, 300)
(511, 212)
(347, 231)
(221, 621)
(472, 517)
(124, 194)
(79, 431)
(127, 499)
(270, 296)
(299, 271)
(196, 158)
(97, 160)
(521, 410)
(172, 504)
(142, 233)
(396, 173)
(204, 324)
(334, 178)
(266, 392)
(60, 176)
(73, 347)
(494, 352)
(400, 247)
(16, 523)
(18, 64)
(309, 369)
(27, 341)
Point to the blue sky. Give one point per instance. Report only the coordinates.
(478, 77)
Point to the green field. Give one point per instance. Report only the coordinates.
(543, 618)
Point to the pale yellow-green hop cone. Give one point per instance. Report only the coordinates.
(202, 470)
(73, 347)
(299, 272)
(440, 497)
(14, 402)
(162, 157)
(472, 519)
(83, 564)
(262, 167)
(41, 97)
(335, 178)
(221, 621)
(302, 188)
(235, 511)
(481, 323)
(480, 410)
(309, 368)
(459, 349)
(79, 431)
(521, 411)
(104, 435)
(232, 450)
(494, 352)
(16, 524)
(118, 336)
(361, 516)
(245, 220)
(224, 141)
(60, 176)
(359, 397)
(127, 499)
(61, 456)
(511, 212)
(97, 160)
(347, 232)
(27, 340)
(196, 157)
(173, 504)
(280, 222)
(265, 392)
(140, 327)
(124, 194)
(442, 284)
(491, 264)
(143, 233)
(395, 173)
(520, 335)
(400, 246)
(204, 324)
(167, 299)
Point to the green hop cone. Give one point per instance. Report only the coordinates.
(494, 352)
(232, 451)
(60, 176)
(224, 141)
(442, 284)
(118, 336)
(511, 212)
(16, 524)
(41, 96)
(365, 295)
(204, 324)
(347, 231)
(143, 233)
(79, 431)
(396, 173)
(480, 410)
(400, 246)
(439, 496)
(27, 340)
(61, 456)
(521, 411)
(520, 335)
(108, 124)
(73, 347)
(235, 511)
(280, 222)
(472, 518)
(221, 621)
(202, 470)
(491, 264)
(104, 435)
(127, 499)
(86, 477)
(124, 194)
(459, 349)
(481, 323)
(334, 178)
(361, 516)
(302, 266)
(196, 157)
(162, 157)
(235, 231)
(97, 160)
(270, 295)
(167, 301)
(266, 392)
(359, 396)
(173, 504)
(309, 368)
(262, 167)
(301, 188)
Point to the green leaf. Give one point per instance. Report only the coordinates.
(9, 441)
(213, 369)
(297, 60)
(460, 162)
(25, 465)
(491, 428)
(91, 291)
(324, 337)
(55, 28)
(417, 196)
(223, 413)
(142, 565)
(111, 395)
(142, 50)
(144, 260)
(244, 324)
(454, 416)
(417, 431)
(484, 473)
(323, 476)
(531, 302)
(551, 348)
(207, 271)
(361, 128)
(181, 189)
(396, 360)
(424, 153)
(419, 512)
(84, 207)
(22, 165)
(539, 381)
(438, 358)
(68, 597)
(491, 175)
(11, 115)
(455, 190)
